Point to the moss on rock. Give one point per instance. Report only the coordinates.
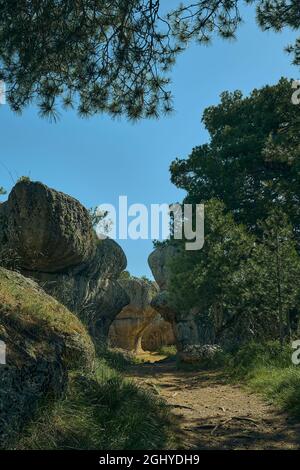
(44, 341)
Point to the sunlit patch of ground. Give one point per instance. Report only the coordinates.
(213, 414)
(152, 357)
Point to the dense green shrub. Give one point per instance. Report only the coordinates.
(253, 355)
(268, 370)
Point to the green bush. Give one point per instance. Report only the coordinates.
(279, 385)
(267, 369)
(119, 360)
(253, 355)
(169, 351)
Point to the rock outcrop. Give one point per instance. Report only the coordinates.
(44, 341)
(50, 231)
(197, 353)
(48, 236)
(139, 327)
(159, 333)
(185, 327)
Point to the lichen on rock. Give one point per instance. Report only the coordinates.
(195, 353)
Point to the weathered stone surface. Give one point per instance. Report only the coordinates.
(139, 327)
(161, 305)
(159, 261)
(108, 262)
(49, 231)
(127, 330)
(44, 341)
(196, 353)
(94, 294)
(48, 236)
(159, 333)
(184, 324)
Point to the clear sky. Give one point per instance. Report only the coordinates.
(98, 159)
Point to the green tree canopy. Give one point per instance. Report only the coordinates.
(270, 281)
(112, 56)
(252, 160)
(238, 283)
(208, 280)
(246, 278)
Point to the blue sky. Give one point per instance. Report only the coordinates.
(98, 159)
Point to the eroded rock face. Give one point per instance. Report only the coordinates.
(50, 231)
(159, 261)
(127, 330)
(48, 236)
(184, 324)
(159, 333)
(130, 329)
(44, 341)
(196, 353)
(94, 294)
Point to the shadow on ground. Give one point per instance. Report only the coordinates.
(211, 413)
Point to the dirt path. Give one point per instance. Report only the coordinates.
(212, 414)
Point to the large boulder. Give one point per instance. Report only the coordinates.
(133, 322)
(49, 231)
(159, 261)
(44, 342)
(48, 236)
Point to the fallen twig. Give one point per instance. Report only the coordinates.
(238, 418)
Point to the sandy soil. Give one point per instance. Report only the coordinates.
(212, 414)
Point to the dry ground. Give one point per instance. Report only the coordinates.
(210, 413)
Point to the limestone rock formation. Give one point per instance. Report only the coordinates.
(44, 341)
(185, 327)
(50, 231)
(159, 261)
(48, 236)
(130, 329)
(159, 333)
(195, 353)
(94, 294)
